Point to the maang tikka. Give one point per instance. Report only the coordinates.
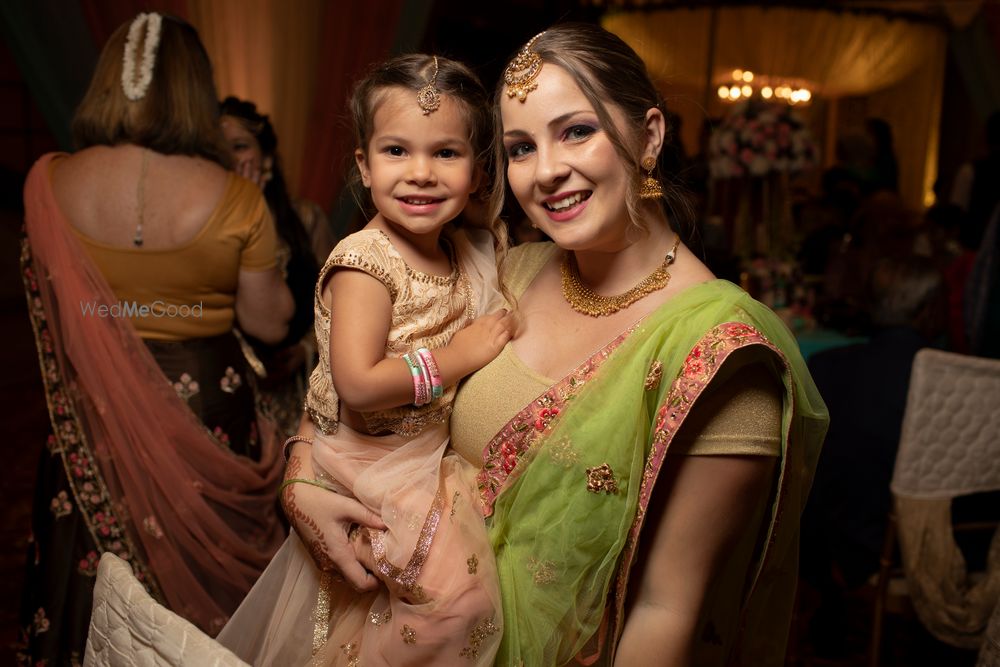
(428, 97)
(522, 71)
(650, 187)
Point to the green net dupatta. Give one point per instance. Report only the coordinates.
(567, 481)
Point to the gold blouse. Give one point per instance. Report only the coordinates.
(427, 310)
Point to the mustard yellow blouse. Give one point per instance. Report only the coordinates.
(189, 291)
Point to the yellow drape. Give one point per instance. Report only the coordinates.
(267, 52)
(898, 63)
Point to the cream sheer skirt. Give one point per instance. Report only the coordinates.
(440, 602)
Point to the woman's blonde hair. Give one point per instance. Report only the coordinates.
(179, 113)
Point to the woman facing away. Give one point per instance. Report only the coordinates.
(283, 369)
(401, 317)
(647, 440)
(142, 252)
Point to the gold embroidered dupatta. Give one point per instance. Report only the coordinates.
(196, 522)
(568, 480)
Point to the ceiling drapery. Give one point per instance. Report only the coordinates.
(837, 53)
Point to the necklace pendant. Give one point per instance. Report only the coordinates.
(137, 241)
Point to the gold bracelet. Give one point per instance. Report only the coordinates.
(291, 441)
(302, 480)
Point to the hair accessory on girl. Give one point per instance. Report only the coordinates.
(137, 77)
(650, 188)
(428, 97)
(522, 71)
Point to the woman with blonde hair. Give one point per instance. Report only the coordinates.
(142, 252)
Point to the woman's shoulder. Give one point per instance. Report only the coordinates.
(524, 261)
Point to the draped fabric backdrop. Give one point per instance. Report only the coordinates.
(263, 51)
(899, 64)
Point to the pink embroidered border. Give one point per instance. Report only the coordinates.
(699, 369)
(103, 518)
(506, 451)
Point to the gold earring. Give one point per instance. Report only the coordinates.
(650, 188)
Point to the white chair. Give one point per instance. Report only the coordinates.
(949, 447)
(128, 627)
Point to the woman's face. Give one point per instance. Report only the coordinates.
(563, 168)
(245, 149)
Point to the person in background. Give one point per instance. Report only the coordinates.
(865, 388)
(143, 252)
(304, 243)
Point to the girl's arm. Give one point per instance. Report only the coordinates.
(711, 502)
(361, 315)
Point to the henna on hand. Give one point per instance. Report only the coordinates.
(314, 540)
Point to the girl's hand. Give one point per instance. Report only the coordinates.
(481, 341)
(324, 519)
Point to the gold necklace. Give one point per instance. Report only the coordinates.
(584, 300)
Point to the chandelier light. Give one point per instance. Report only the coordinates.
(744, 85)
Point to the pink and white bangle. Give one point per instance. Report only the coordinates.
(430, 364)
(421, 387)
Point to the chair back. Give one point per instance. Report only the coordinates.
(950, 446)
(128, 627)
(950, 442)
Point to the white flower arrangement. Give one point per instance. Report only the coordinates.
(759, 139)
(136, 80)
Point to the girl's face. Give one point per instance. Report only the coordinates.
(245, 149)
(563, 168)
(420, 168)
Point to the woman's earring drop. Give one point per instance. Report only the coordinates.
(650, 188)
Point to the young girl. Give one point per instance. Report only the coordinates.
(401, 317)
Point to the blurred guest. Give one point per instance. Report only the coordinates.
(975, 188)
(865, 387)
(302, 249)
(885, 168)
(254, 146)
(952, 246)
(143, 250)
(982, 294)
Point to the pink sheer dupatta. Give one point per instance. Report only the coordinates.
(197, 522)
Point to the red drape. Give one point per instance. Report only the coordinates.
(355, 35)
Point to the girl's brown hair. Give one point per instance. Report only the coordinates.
(178, 115)
(455, 80)
(609, 73)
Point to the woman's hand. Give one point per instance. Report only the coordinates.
(323, 520)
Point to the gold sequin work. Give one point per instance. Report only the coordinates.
(602, 479)
(409, 634)
(484, 629)
(378, 620)
(653, 376)
(562, 453)
(352, 657)
(542, 571)
(321, 613)
(473, 563)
